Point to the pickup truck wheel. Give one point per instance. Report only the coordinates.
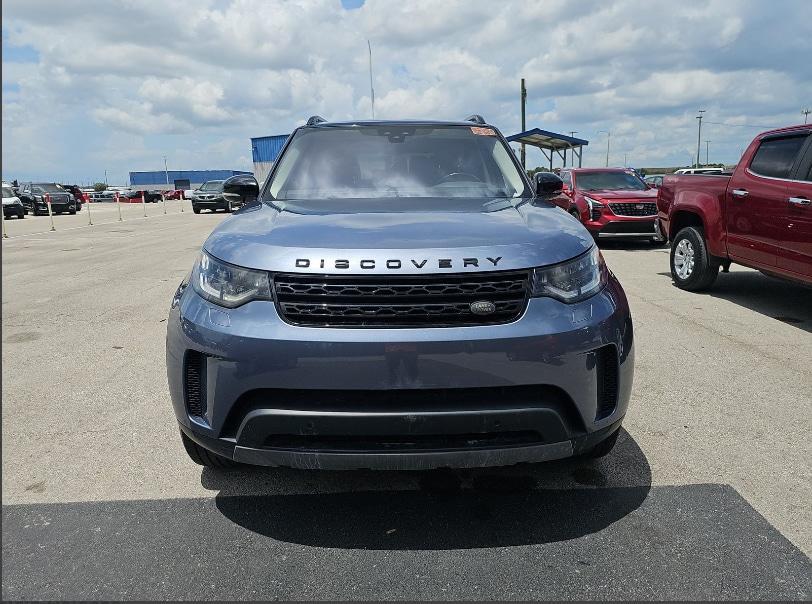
(204, 457)
(692, 267)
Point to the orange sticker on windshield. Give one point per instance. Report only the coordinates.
(483, 131)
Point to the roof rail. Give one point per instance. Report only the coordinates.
(476, 118)
(315, 120)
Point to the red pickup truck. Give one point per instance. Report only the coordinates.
(759, 216)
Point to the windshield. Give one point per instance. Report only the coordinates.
(212, 185)
(7, 192)
(50, 188)
(378, 161)
(609, 181)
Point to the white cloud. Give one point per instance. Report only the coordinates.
(195, 78)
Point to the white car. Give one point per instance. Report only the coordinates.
(12, 206)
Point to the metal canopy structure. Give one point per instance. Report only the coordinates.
(550, 143)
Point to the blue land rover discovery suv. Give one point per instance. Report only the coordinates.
(398, 295)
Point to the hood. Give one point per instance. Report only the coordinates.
(422, 235)
(647, 195)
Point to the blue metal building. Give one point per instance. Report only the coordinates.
(179, 179)
(265, 150)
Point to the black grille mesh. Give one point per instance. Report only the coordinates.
(194, 383)
(390, 301)
(634, 209)
(606, 364)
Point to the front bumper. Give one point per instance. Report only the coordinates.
(13, 210)
(276, 394)
(609, 226)
(218, 203)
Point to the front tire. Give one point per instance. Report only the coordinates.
(576, 214)
(692, 266)
(195, 209)
(204, 457)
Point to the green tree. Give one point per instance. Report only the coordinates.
(99, 186)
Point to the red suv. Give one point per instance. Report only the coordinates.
(611, 202)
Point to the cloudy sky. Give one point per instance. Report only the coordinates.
(94, 85)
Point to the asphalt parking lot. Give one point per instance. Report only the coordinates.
(707, 495)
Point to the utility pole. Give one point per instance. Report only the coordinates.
(806, 113)
(608, 138)
(166, 171)
(625, 160)
(707, 152)
(105, 177)
(699, 136)
(371, 89)
(524, 102)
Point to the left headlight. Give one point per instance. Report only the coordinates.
(593, 204)
(571, 281)
(229, 285)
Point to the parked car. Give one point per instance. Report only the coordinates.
(611, 202)
(210, 197)
(102, 196)
(173, 194)
(654, 180)
(12, 206)
(78, 195)
(34, 197)
(135, 196)
(760, 216)
(425, 310)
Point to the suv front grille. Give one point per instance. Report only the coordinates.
(436, 300)
(647, 208)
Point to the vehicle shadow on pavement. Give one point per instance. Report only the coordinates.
(787, 302)
(631, 245)
(441, 509)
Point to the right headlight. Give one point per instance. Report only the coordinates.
(571, 281)
(229, 285)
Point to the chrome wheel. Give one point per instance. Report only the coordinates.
(684, 259)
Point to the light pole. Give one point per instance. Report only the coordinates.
(707, 152)
(524, 103)
(806, 113)
(166, 171)
(608, 138)
(699, 135)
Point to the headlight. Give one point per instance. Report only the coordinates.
(229, 285)
(593, 204)
(571, 281)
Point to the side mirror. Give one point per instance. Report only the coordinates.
(547, 184)
(241, 189)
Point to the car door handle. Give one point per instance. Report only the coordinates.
(740, 192)
(800, 201)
